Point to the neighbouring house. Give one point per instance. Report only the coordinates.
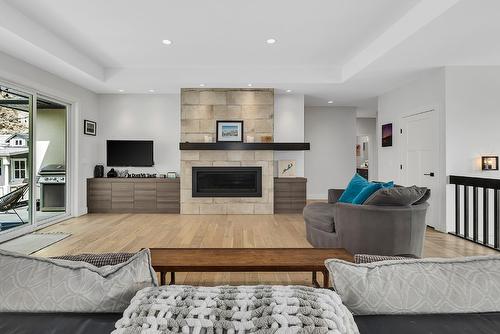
(13, 161)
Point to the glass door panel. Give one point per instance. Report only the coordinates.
(16, 109)
(50, 162)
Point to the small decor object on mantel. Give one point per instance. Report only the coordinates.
(89, 127)
(266, 139)
(286, 168)
(171, 175)
(387, 135)
(489, 162)
(112, 173)
(230, 131)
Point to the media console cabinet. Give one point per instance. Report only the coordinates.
(125, 195)
(289, 194)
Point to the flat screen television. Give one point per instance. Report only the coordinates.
(129, 153)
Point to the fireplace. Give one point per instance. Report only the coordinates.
(227, 181)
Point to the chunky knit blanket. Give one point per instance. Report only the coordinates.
(236, 309)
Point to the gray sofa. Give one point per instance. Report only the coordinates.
(366, 229)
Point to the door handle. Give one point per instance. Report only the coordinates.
(431, 174)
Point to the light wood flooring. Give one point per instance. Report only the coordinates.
(96, 233)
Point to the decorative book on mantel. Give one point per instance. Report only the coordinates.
(245, 146)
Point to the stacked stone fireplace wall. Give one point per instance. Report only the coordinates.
(200, 109)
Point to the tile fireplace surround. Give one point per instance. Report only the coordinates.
(200, 109)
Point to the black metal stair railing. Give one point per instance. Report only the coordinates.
(467, 212)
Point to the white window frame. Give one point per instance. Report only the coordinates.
(13, 164)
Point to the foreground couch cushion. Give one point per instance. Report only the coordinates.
(473, 323)
(236, 309)
(32, 284)
(58, 323)
(419, 286)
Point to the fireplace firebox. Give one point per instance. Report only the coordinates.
(227, 181)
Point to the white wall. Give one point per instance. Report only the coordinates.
(472, 118)
(289, 127)
(425, 93)
(143, 117)
(84, 149)
(331, 162)
(368, 127)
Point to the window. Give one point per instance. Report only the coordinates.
(18, 169)
(18, 142)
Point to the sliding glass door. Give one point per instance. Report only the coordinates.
(50, 159)
(16, 151)
(33, 161)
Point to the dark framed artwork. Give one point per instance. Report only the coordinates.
(89, 127)
(230, 131)
(387, 135)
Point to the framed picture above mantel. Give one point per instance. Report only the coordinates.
(229, 131)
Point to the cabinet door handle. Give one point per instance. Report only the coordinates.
(431, 174)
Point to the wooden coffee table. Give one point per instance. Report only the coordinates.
(245, 260)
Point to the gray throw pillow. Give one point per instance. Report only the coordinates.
(35, 284)
(397, 196)
(424, 198)
(419, 286)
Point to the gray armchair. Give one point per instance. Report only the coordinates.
(368, 229)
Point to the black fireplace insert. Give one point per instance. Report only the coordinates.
(227, 181)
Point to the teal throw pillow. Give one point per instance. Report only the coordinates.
(354, 187)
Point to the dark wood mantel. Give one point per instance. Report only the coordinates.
(246, 146)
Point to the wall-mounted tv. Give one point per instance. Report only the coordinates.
(129, 153)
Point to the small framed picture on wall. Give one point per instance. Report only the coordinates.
(89, 127)
(387, 135)
(230, 131)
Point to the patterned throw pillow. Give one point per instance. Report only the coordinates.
(366, 258)
(35, 284)
(98, 260)
(419, 286)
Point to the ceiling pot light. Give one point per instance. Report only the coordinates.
(151, 90)
(288, 90)
(330, 102)
(271, 41)
(202, 85)
(249, 85)
(121, 90)
(167, 42)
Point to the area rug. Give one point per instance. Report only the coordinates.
(33, 242)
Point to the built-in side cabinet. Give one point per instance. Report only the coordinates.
(133, 195)
(289, 194)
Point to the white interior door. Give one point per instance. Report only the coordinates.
(420, 156)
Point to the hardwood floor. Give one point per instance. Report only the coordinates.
(95, 233)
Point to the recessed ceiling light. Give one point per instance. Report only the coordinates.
(271, 41)
(151, 90)
(249, 85)
(202, 85)
(288, 90)
(121, 90)
(167, 42)
(330, 102)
